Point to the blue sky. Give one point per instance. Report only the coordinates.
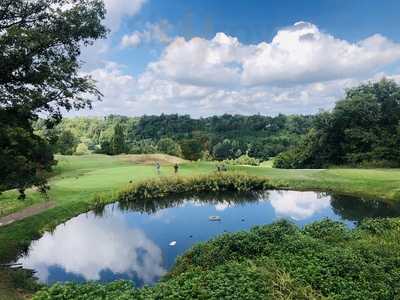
(212, 57)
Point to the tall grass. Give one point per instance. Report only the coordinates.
(170, 186)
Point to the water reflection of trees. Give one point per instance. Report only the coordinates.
(356, 209)
(229, 198)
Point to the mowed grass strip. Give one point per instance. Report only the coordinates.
(78, 178)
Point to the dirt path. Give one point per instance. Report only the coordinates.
(26, 212)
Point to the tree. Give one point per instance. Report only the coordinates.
(117, 144)
(362, 129)
(192, 149)
(226, 150)
(145, 146)
(25, 158)
(169, 146)
(40, 43)
(66, 143)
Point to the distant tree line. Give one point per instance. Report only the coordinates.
(218, 137)
(362, 130)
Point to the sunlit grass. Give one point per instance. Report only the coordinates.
(78, 178)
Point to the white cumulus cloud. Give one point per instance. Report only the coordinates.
(301, 70)
(118, 9)
(302, 53)
(297, 54)
(153, 32)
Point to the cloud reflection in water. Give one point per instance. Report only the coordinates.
(86, 246)
(298, 205)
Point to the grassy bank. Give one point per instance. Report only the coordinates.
(369, 183)
(159, 188)
(325, 260)
(78, 179)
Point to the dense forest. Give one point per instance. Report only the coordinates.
(217, 137)
(362, 130)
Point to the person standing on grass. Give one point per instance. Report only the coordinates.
(158, 168)
(176, 168)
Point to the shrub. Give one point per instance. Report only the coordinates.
(218, 182)
(243, 160)
(286, 160)
(325, 260)
(82, 149)
(169, 146)
(192, 149)
(145, 146)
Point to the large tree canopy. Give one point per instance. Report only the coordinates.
(40, 45)
(362, 129)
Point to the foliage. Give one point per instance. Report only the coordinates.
(40, 45)
(226, 149)
(79, 178)
(277, 261)
(192, 149)
(259, 136)
(82, 149)
(169, 146)
(362, 130)
(25, 158)
(167, 186)
(39, 49)
(113, 143)
(66, 143)
(143, 147)
(244, 160)
(338, 263)
(118, 140)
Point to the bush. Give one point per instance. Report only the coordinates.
(82, 149)
(286, 160)
(192, 149)
(218, 182)
(174, 186)
(226, 150)
(325, 260)
(169, 146)
(243, 160)
(146, 146)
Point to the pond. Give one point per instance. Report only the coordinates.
(140, 241)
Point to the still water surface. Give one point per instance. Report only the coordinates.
(133, 242)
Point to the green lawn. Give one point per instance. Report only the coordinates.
(77, 179)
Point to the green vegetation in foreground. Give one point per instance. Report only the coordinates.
(325, 260)
(78, 179)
